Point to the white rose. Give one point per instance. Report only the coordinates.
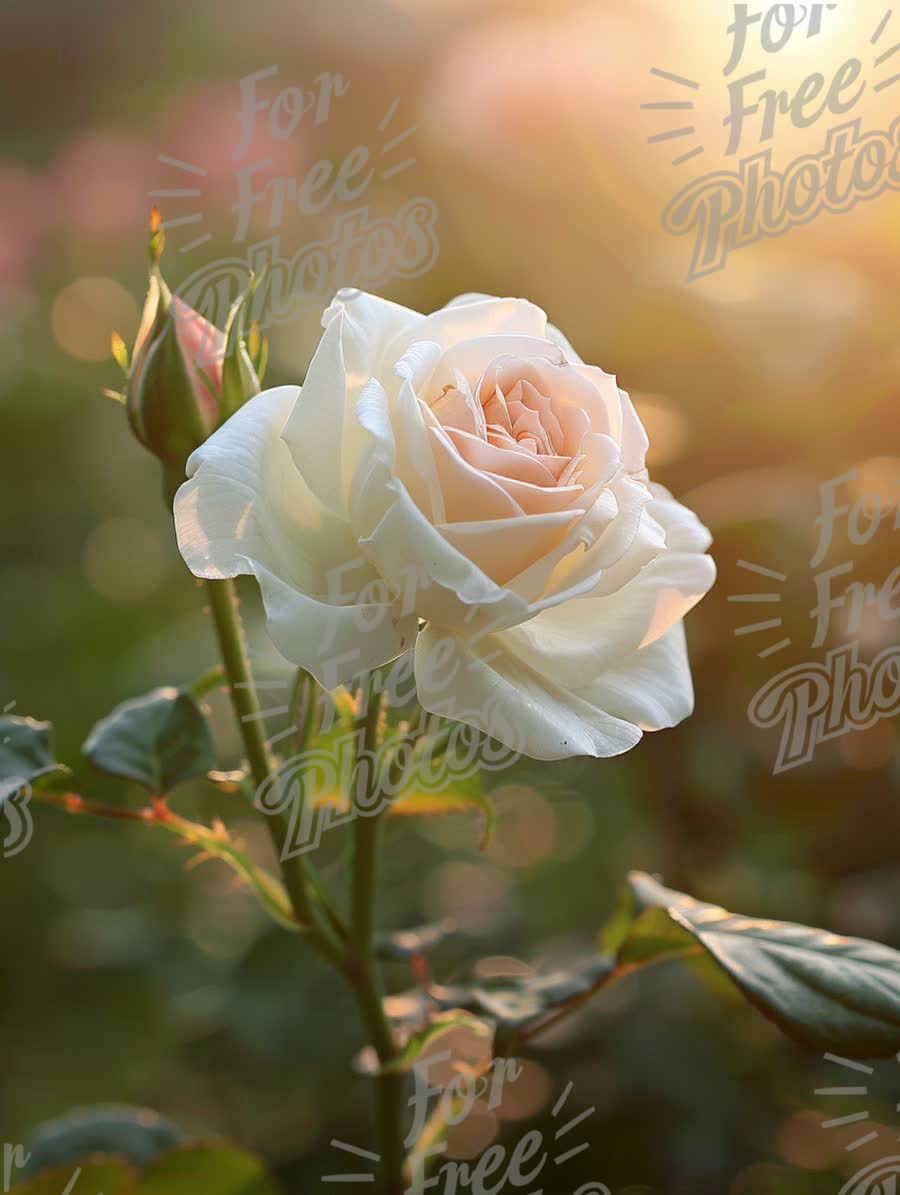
(466, 469)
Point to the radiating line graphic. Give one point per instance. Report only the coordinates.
(654, 70)
(261, 715)
(842, 1091)
(857, 1090)
(395, 141)
(201, 240)
(179, 165)
(561, 1132)
(579, 1149)
(885, 83)
(883, 24)
(759, 626)
(754, 597)
(763, 597)
(851, 1064)
(569, 1125)
(669, 134)
(70, 1185)
(668, 106)
(887, 54)
(687, 157)
(176, 193)
(193, 218)
(365, 1154)
(762, 572)
(840, 1121)
(674, 105)
(861, 1141)
(391, 145)
(389, 115)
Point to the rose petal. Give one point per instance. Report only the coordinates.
(322, 432)
(502, 548)
(468, 493)
(482, 317)
(485, 686)
(246, 509)
(651, 688)
(492, 459)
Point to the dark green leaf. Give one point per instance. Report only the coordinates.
(25, 754)
(136, 1134)
(825, 991)
(160, 740)
(133, 1151)
(514, 1001)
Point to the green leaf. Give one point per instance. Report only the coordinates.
(160, 740)
(218, 1169)
(25, 754)
(441, 1025)
(138, 1135)
(825, 991)
(514, 1001)
(133, 1151)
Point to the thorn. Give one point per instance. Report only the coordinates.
(161, 811)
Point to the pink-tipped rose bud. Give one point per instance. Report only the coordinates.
(186, 377)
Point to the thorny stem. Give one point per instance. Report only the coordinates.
(355, 960)
(366, 979)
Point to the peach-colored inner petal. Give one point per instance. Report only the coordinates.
(534, 428)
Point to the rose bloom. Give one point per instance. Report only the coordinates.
(463, 485)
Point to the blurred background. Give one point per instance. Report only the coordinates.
(128, 978)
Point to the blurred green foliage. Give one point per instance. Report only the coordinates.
(126, 977)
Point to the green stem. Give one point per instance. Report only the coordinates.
(367, 984)
(244, 699)
(354, 960)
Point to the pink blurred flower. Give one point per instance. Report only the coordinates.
(504, 89)
(102, 178)
(24, 218)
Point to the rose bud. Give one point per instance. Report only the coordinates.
(185, 377)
